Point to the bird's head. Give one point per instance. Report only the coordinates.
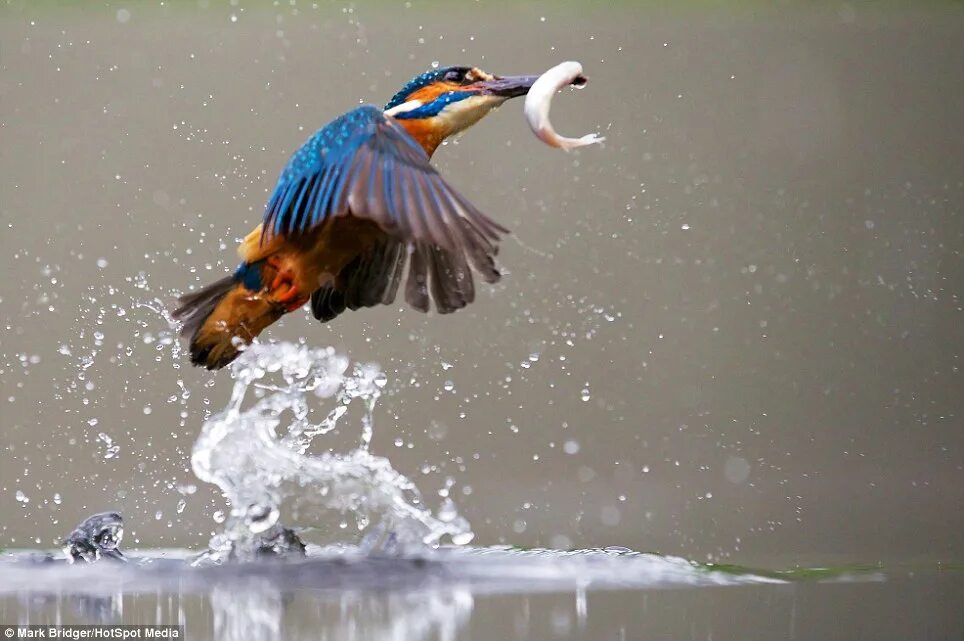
(442, 102)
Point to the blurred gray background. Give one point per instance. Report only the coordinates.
(735, 332)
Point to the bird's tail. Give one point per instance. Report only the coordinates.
(222, 317)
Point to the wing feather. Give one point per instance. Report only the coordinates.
(365, 165)
(416, 288)
(394, 279)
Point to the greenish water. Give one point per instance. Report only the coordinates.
(480, 593)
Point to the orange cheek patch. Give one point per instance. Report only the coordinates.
(427, 94)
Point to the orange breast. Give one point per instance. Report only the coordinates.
(424, 131)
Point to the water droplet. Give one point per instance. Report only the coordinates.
(463, 538)
(447, 511)
(110, 450)
(610, 515)
(560, 542)
(736, 469)
(261, 517)
(437, 430)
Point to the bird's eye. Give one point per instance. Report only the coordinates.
(453, 76)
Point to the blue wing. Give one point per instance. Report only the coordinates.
(365, 165)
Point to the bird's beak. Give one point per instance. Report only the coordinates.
(512, 86)
(507, 86)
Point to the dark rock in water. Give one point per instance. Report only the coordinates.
(280, 542)
(96, 538)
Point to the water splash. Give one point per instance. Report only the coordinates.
(256, 451)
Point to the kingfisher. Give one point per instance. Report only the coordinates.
(357, 202)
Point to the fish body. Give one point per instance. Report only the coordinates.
(539, 99)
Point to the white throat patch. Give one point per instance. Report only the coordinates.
(463, 114)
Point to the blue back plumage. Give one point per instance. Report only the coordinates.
(313, 185)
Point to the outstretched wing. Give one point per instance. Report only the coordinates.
(373, 278)
(365, 165)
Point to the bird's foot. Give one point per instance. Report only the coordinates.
(294, 300)
(283, 288)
